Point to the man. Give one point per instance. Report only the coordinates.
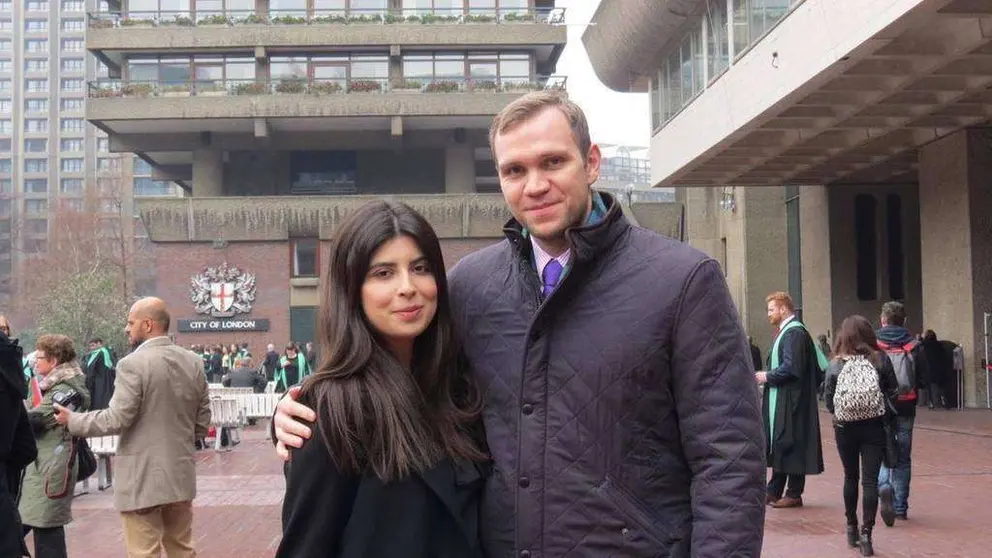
(271, 363)
(100, 374)
(621, 412)
(245, 376)
(292, 368)
(791, 415)
(311, 354)
(160, 407)
(910, 364)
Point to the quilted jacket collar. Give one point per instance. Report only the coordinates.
(588, 241)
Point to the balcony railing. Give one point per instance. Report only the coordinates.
(230, 18)
(302, 86)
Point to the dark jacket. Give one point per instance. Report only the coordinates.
(100, 377)
(328, 514)
(245, 378)
(271, 365)
(898, 335)
(794, 447)
(621, 413)
(756, 357)
(940, 362)
(17, 446)
(887, 382)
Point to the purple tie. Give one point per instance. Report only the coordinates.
(552, 273)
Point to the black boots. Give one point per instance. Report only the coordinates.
(852, 536)
(866, 547)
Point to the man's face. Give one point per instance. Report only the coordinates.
(777, 313)
(543, 175)
(94, 346)
(137, 329)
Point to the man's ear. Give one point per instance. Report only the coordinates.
(593, 159)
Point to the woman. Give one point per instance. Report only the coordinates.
(396, 463)
(46, 498)
(860, 391)
(293, 368)
(939, 368)
(17, 445)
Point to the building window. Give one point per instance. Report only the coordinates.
(36, 185)
(73, 25)
(71, 185)
(72, 45)
(717, 38)
(37, 5)
(322, 172)
(35, 245)
(108, 163)
(5, 166)
(37, 226)
(6, 186)
(71, 125)
(5, 145)
(6, 6)
(6, 127)
(71, 144)
(144, 186)
(71, 85)
(866, 247)
(896, 251)
(141, 167)
(72, 65)
(72, 104)
(36, 105)
(36, 85)
(103, 144)
(35, 207)
(476, 68)
(36, 165)
(36, 145)
(5, 85)
(36, 25)
(6, 65)
(201, 70)
(36, 65)
(5, 106)
(36, 45)
(35, 125)
(72, 165)
(305, 257)
(73, 5)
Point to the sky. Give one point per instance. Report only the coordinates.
(613, 117)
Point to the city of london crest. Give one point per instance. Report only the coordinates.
(222, 291)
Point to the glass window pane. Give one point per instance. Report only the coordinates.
(142, 70)
(742, 32)
(369, 68)
(368, 7)
(240, 70)
(717, 40)
(418, 67)
(288, 68)
(686, 68)
(295, 8)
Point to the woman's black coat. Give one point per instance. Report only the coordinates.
(17, 446)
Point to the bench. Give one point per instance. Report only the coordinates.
(225, 413)
(103, 448)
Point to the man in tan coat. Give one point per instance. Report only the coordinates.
(160, 407)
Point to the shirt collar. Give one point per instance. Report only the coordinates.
(786, 321)
(143, 343)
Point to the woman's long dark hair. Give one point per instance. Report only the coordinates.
(375, 415)
(857, 337)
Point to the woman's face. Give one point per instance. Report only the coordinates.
(399, 295)
(43, 363)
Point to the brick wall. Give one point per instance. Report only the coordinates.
(269, 261)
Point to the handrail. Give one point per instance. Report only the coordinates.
(424, 16)
(103, 88)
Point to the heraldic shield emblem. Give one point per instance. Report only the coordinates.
(222, 291)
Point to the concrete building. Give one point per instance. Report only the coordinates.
(838, 149)
(48, 153)
(279, 116)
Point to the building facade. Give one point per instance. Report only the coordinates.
(838, 150)
(280, 116)
(49, 154)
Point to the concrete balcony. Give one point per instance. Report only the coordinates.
(240, 99)
(274, 218)
(112, 36)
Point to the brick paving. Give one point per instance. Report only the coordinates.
(237, 509)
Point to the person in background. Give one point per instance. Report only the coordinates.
(245, 375)
(292, 368)
(940, 365)
(100, 374)
(755, 354)
(860, 391)
(824, 345)
(271, 364)
(47, 491)
(17, 444)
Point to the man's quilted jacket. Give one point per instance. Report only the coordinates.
(621, 412)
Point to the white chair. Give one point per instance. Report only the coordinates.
(225, 413)
(103, 448)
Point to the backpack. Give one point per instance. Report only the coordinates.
(858, 395)
(904, 366)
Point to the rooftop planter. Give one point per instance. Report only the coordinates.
(291, 86)
(326, 88)
(253, 19)
(138, 22)
(406, 86)
(364, 86)
(105, 92)
(443, 86)
(216, 19)
(289, 20)
(137, 90)
(180, 90)
(253, 88)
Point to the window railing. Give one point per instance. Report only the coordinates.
(231, 18)
(104, 88)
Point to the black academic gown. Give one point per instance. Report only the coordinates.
(17, 446)
(100, 378)
(795, 447)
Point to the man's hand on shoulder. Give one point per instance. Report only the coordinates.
(289, 431)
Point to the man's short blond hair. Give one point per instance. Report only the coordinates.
(534, 103)
(782, 299)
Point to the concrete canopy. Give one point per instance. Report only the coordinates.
(925, 76)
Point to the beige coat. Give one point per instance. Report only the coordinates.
(160, 407)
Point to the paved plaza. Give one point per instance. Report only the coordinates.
(237, 510)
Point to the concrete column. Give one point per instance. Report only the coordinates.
(956, 246)
(208, 173)
(765, 258)
(814, 223)
(459, 169)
